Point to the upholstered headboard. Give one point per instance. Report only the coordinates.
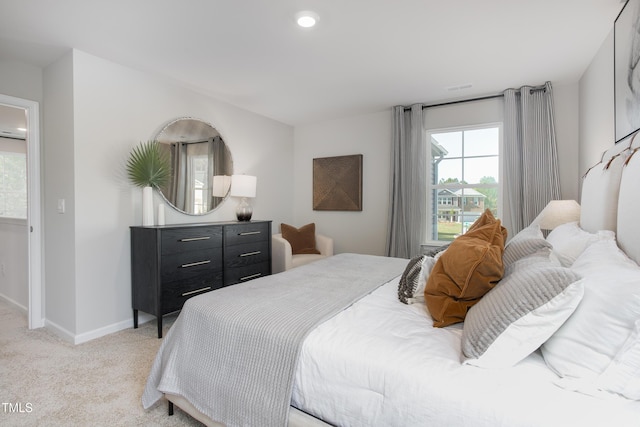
(611, 195)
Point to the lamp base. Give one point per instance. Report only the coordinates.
(244, 211)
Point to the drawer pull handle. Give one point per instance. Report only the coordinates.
(253, 276)
(208, 288)
(248, 233)
(193, 264)
(193, 239)
(251, 253)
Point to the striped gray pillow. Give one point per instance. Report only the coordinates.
(517, 316)
(526, 242)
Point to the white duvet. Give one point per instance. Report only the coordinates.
(381, 363)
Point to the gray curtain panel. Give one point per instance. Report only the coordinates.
(531, 159)
(408, 194)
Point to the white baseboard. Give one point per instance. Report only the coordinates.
(96, 333)
(14, 302)
(59, 331)
(110, 329)
(86, 336)
(105, 330)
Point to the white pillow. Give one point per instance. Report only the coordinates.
(604, 322)
(512, 320)
(622, 376)
(569, 241)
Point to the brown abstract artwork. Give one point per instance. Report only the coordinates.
(337, 183)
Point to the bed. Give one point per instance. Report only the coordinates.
(274, 351)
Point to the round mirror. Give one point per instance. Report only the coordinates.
(201, 166)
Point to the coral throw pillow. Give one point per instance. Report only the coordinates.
(302, 240)
(466, 271)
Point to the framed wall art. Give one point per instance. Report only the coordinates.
(627, 70)
(337, 183)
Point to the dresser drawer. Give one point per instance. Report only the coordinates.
(191, 266)
(190, 239)
(176, 293)
(242, 255)
(249, 272)
(246, 233)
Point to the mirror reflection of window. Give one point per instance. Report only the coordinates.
(198, 153)
(199, 186)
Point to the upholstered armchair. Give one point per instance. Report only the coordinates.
(282, 257)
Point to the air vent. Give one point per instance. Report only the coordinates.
(459, 87)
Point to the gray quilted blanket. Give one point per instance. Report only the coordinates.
(233, 352)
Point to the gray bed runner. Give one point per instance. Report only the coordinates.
(233, 352)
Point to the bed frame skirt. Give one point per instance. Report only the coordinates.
(297, 418)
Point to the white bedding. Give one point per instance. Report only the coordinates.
(381, 363)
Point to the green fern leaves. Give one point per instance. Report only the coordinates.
(148, 165)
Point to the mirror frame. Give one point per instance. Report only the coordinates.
(158, 137)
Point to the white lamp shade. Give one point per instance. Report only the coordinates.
(243, 186)
(221, 184)
(556, 213)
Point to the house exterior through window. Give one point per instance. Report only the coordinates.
(464, 178)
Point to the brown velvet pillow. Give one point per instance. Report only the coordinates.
(302, 240)
(466, 271)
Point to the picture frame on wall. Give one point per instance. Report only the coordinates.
(627, 70)
(337, 183)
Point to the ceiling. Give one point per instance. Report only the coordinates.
(363, 56)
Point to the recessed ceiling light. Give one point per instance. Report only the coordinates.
(307, 18)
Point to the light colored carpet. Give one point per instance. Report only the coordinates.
(98, 383)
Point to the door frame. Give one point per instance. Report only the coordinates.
(34, 217)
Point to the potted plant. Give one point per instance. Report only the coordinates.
(148, 167)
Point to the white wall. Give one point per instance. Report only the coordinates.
(597, 117)
(566, 102)
(370, 135)
(114, 108)
(58, 175)
(21, 81)
(14, 278)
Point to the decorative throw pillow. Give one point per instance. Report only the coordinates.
(414, 279)
(587, 346)
(526, 242)
(467, 270)
(302, 240)
(569, 241)
(533, 299)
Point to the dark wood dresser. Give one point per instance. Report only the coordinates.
(172, 263)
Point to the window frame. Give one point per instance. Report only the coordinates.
(430, 188)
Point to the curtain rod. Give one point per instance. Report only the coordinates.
(482, 98)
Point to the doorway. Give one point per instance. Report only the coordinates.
(34, 218)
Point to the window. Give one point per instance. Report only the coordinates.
(13, 185)
(464, 178)
(199, 164)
